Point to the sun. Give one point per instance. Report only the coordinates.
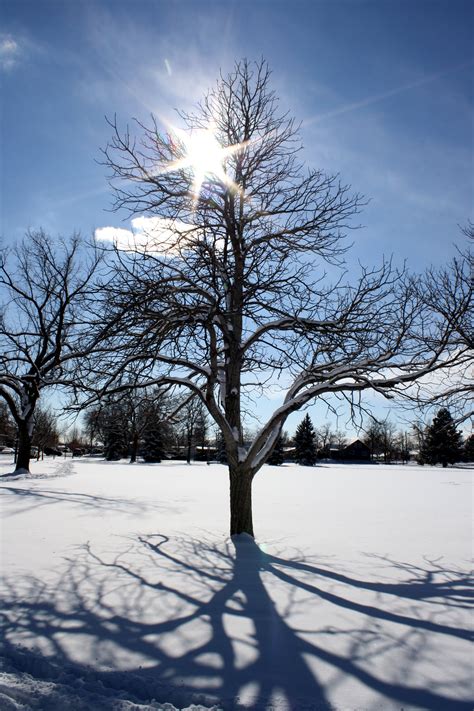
(204, 153)
(205, 157)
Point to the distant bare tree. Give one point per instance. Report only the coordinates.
(121, 421)
(325, 439)
(340, 439)
(380, 436)
(45, 303)
(45, 430)
(373, 438)
(403, 444)
(418, 430)
(231, 289)
(193, 422)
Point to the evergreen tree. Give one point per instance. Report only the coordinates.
(442, 442)
(221, 453)
(114, 448)
(7, 427)
(305, 443)
(276, 457)
(115, 431)
(469, 449)
(153, 450)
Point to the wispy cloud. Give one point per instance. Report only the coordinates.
(15, 49)
(375, 98)
(160, 77)
(10, 52)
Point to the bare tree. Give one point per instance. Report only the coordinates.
(45, 431)
(230, 291)
(193, 423)
(448, 292)
(381, 438)
(325, 437)
(373, 438)
(340, 439)
(404, 445)
(43, 328)
(418, 430)
(122, 420)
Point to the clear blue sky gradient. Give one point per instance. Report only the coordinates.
(384, 91)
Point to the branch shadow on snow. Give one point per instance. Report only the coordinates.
(187, 621)
(22, 500)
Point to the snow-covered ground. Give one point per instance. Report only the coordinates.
(122, 590)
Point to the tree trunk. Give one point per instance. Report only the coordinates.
(240, 502)
(24, 448)
(189, 447)
(134, 452)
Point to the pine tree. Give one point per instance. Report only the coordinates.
(7, 427)
(114, 446)
(305, 443)
(115, 430)
(276, 457)
(443, 442)
(153, 450)
(469, 449)
(221, 453)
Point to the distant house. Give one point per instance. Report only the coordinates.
(357, 451)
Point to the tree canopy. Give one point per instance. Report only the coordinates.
(229, 292)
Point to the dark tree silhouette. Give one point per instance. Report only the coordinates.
(230, 286)
(116, 430)
(7, 427)
(469, 449)
(276, 458)
(305, 443)
(153, 445)
(442, 442)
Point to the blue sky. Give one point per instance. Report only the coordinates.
(384, 90)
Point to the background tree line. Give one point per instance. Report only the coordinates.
(439, 442)
(138, 426)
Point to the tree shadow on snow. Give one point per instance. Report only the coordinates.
(18, 500)
(187, 621)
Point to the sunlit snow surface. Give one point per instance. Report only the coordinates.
(121, 589)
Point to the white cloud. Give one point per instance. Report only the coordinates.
(117, 235)
(17, 49)
(151, 234)
(10, 52)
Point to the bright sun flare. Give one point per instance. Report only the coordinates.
(204, 153)
(205, 157)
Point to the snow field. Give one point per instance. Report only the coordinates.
(122, 590)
